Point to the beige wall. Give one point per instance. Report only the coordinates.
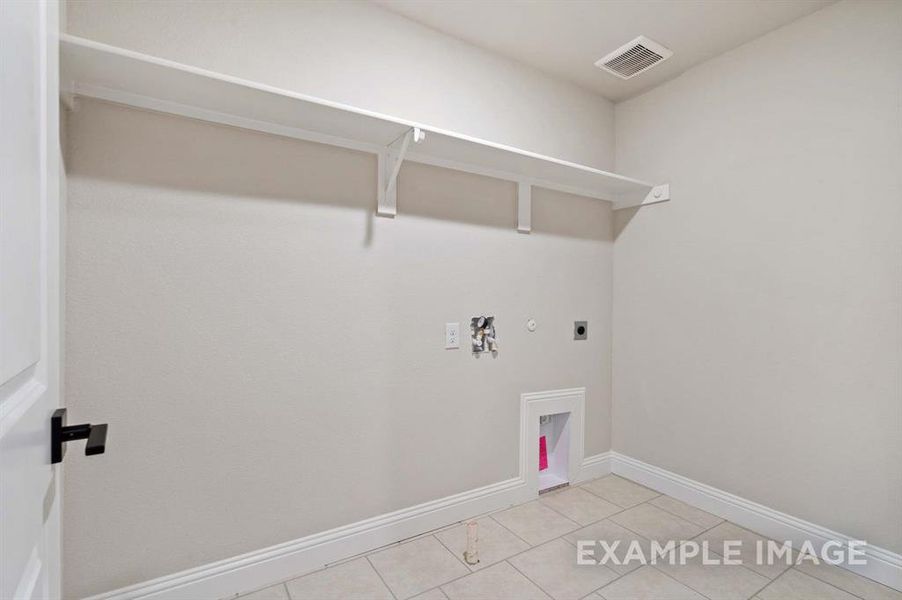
(758, 316)
(360, 54)
(270, 357)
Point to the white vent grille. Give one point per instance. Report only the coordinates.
(634, 57)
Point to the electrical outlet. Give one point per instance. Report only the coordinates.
(452, 335)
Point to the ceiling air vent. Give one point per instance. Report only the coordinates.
(634, 57)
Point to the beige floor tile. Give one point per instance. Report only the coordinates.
(612, 533)
(553, 567)
(727, 531)
(850, 582)
(579, 505)
(685, 511)
(495, 542)
(717, 582)
(535, 522)
(355, 579)
(647, 583)
(435, 594)
(276, 592)
(795, 585)
(417, 566)
(656, 524)
(620, 491)
(498, 582)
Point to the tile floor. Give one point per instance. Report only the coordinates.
(529, 551)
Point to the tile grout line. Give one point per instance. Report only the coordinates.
(437, 588)
(686, 585)
(665, 574)
(702, 532)
(768, 584)
(514, 567)
(618, 577)
(512, 532)
(471, 572)
(597, 495)
(641, 537)
(793, 567)
(450, 581)
(559, 513)
(612, 503)
(772, 579)
(379, 575)
(507, 560)
(621, 576)
(868, 579)
(283, 582)
(769, 580)
(560, 537)
(684, 518)
(645, 538)
(789, 567)
(445, 546)
(354, 557)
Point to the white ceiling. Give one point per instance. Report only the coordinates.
(565, 38)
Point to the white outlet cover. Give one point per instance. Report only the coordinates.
(452, 335)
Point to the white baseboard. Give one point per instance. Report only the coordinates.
(595, 466)
(260, 568)
(264, 567)
(254, 570)
(882, 565)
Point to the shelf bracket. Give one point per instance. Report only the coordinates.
(68, 98)
(524, 207)
(389, 165)
(659, 193)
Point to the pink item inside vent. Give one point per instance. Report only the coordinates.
(543, 454)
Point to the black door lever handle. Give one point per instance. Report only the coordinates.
(60, 433)
(96, 440)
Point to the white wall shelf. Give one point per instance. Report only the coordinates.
(114, 74)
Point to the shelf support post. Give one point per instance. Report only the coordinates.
(389, 165)
(524, 207)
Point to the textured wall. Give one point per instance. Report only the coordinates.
(270, 356)
(758, 317)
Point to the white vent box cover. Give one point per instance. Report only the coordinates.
(634, 57)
